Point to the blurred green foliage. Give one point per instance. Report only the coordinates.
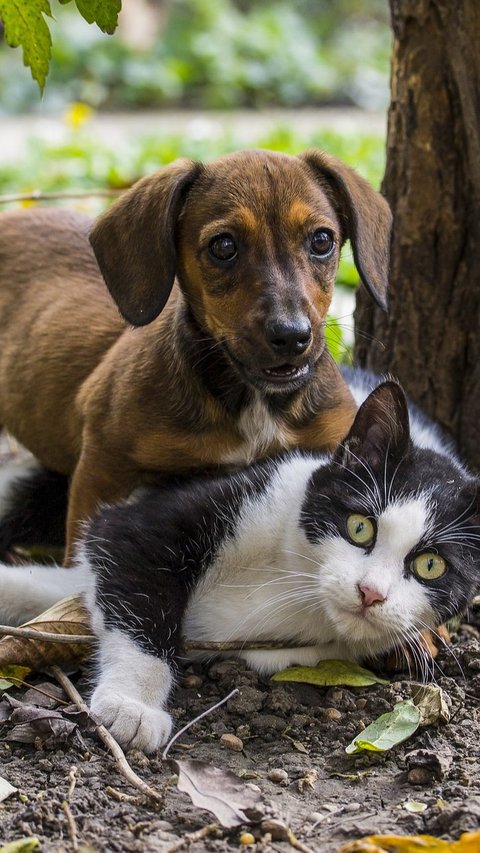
(222, 54)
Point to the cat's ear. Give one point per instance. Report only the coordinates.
(380, 431)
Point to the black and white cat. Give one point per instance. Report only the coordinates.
(348, 554)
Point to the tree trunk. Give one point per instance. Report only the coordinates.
(430, 339)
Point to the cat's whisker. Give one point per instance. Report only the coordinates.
(374, 492)
(462, 516)
(316, 563)
(446, 646)
(419, 655)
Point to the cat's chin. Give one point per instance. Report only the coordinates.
(365, 629)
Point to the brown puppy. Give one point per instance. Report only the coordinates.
(232, 367)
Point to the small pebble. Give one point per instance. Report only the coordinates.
(192, 681)
(361, 703)
(278, 775)
(232, 742)
(420, 776)
(276, 828)
(333, 714)
(242, 731)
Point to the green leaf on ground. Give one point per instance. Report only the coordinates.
(330, 673)
(11, 675)
(388, 730)
(25, 26)
(23, 845)
(103, 13)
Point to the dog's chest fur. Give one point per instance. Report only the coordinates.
(260, 433)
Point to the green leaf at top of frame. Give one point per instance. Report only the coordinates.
(103, 13)
(25, 26)
(330, 673)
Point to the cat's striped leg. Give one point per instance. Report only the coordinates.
(136, 611)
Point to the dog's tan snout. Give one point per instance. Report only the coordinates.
(288, 337)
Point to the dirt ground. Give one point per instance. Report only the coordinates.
(287, 732)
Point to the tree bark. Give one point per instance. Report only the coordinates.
(430, 338)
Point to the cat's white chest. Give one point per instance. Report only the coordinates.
(259, 430)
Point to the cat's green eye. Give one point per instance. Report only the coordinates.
(360, 529)
(429, 566)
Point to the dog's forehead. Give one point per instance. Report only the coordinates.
(260, 181)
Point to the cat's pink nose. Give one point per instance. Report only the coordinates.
(370, 596)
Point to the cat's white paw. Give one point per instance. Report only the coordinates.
(132, 723)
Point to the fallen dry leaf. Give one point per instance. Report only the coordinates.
(6, 789)
(219, 791)
(68, 616)
(469, 842)
(432, 703)
(30, 722)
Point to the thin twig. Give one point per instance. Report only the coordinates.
(239, 645)
(192, 837)
(121, 797)
(38, 195)
(200, 717)
(109, 741)
(32, 634)
(71, 826)
(73, 781)
(188, 645)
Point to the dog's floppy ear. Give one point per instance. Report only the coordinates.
(134, 241)
(365, 217)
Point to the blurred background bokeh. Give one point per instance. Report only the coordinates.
(198, 78)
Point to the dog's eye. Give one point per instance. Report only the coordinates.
(322, 244)
(223, 247)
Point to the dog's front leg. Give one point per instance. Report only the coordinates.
(97, 480)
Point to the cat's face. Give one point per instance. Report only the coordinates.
(395, 531)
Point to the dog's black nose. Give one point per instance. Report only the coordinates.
(288, 338)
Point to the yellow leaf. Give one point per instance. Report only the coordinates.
(469, 842)
(68, 616)
(23, 845)
(11, 675)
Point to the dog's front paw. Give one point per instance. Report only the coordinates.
(132, 723)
